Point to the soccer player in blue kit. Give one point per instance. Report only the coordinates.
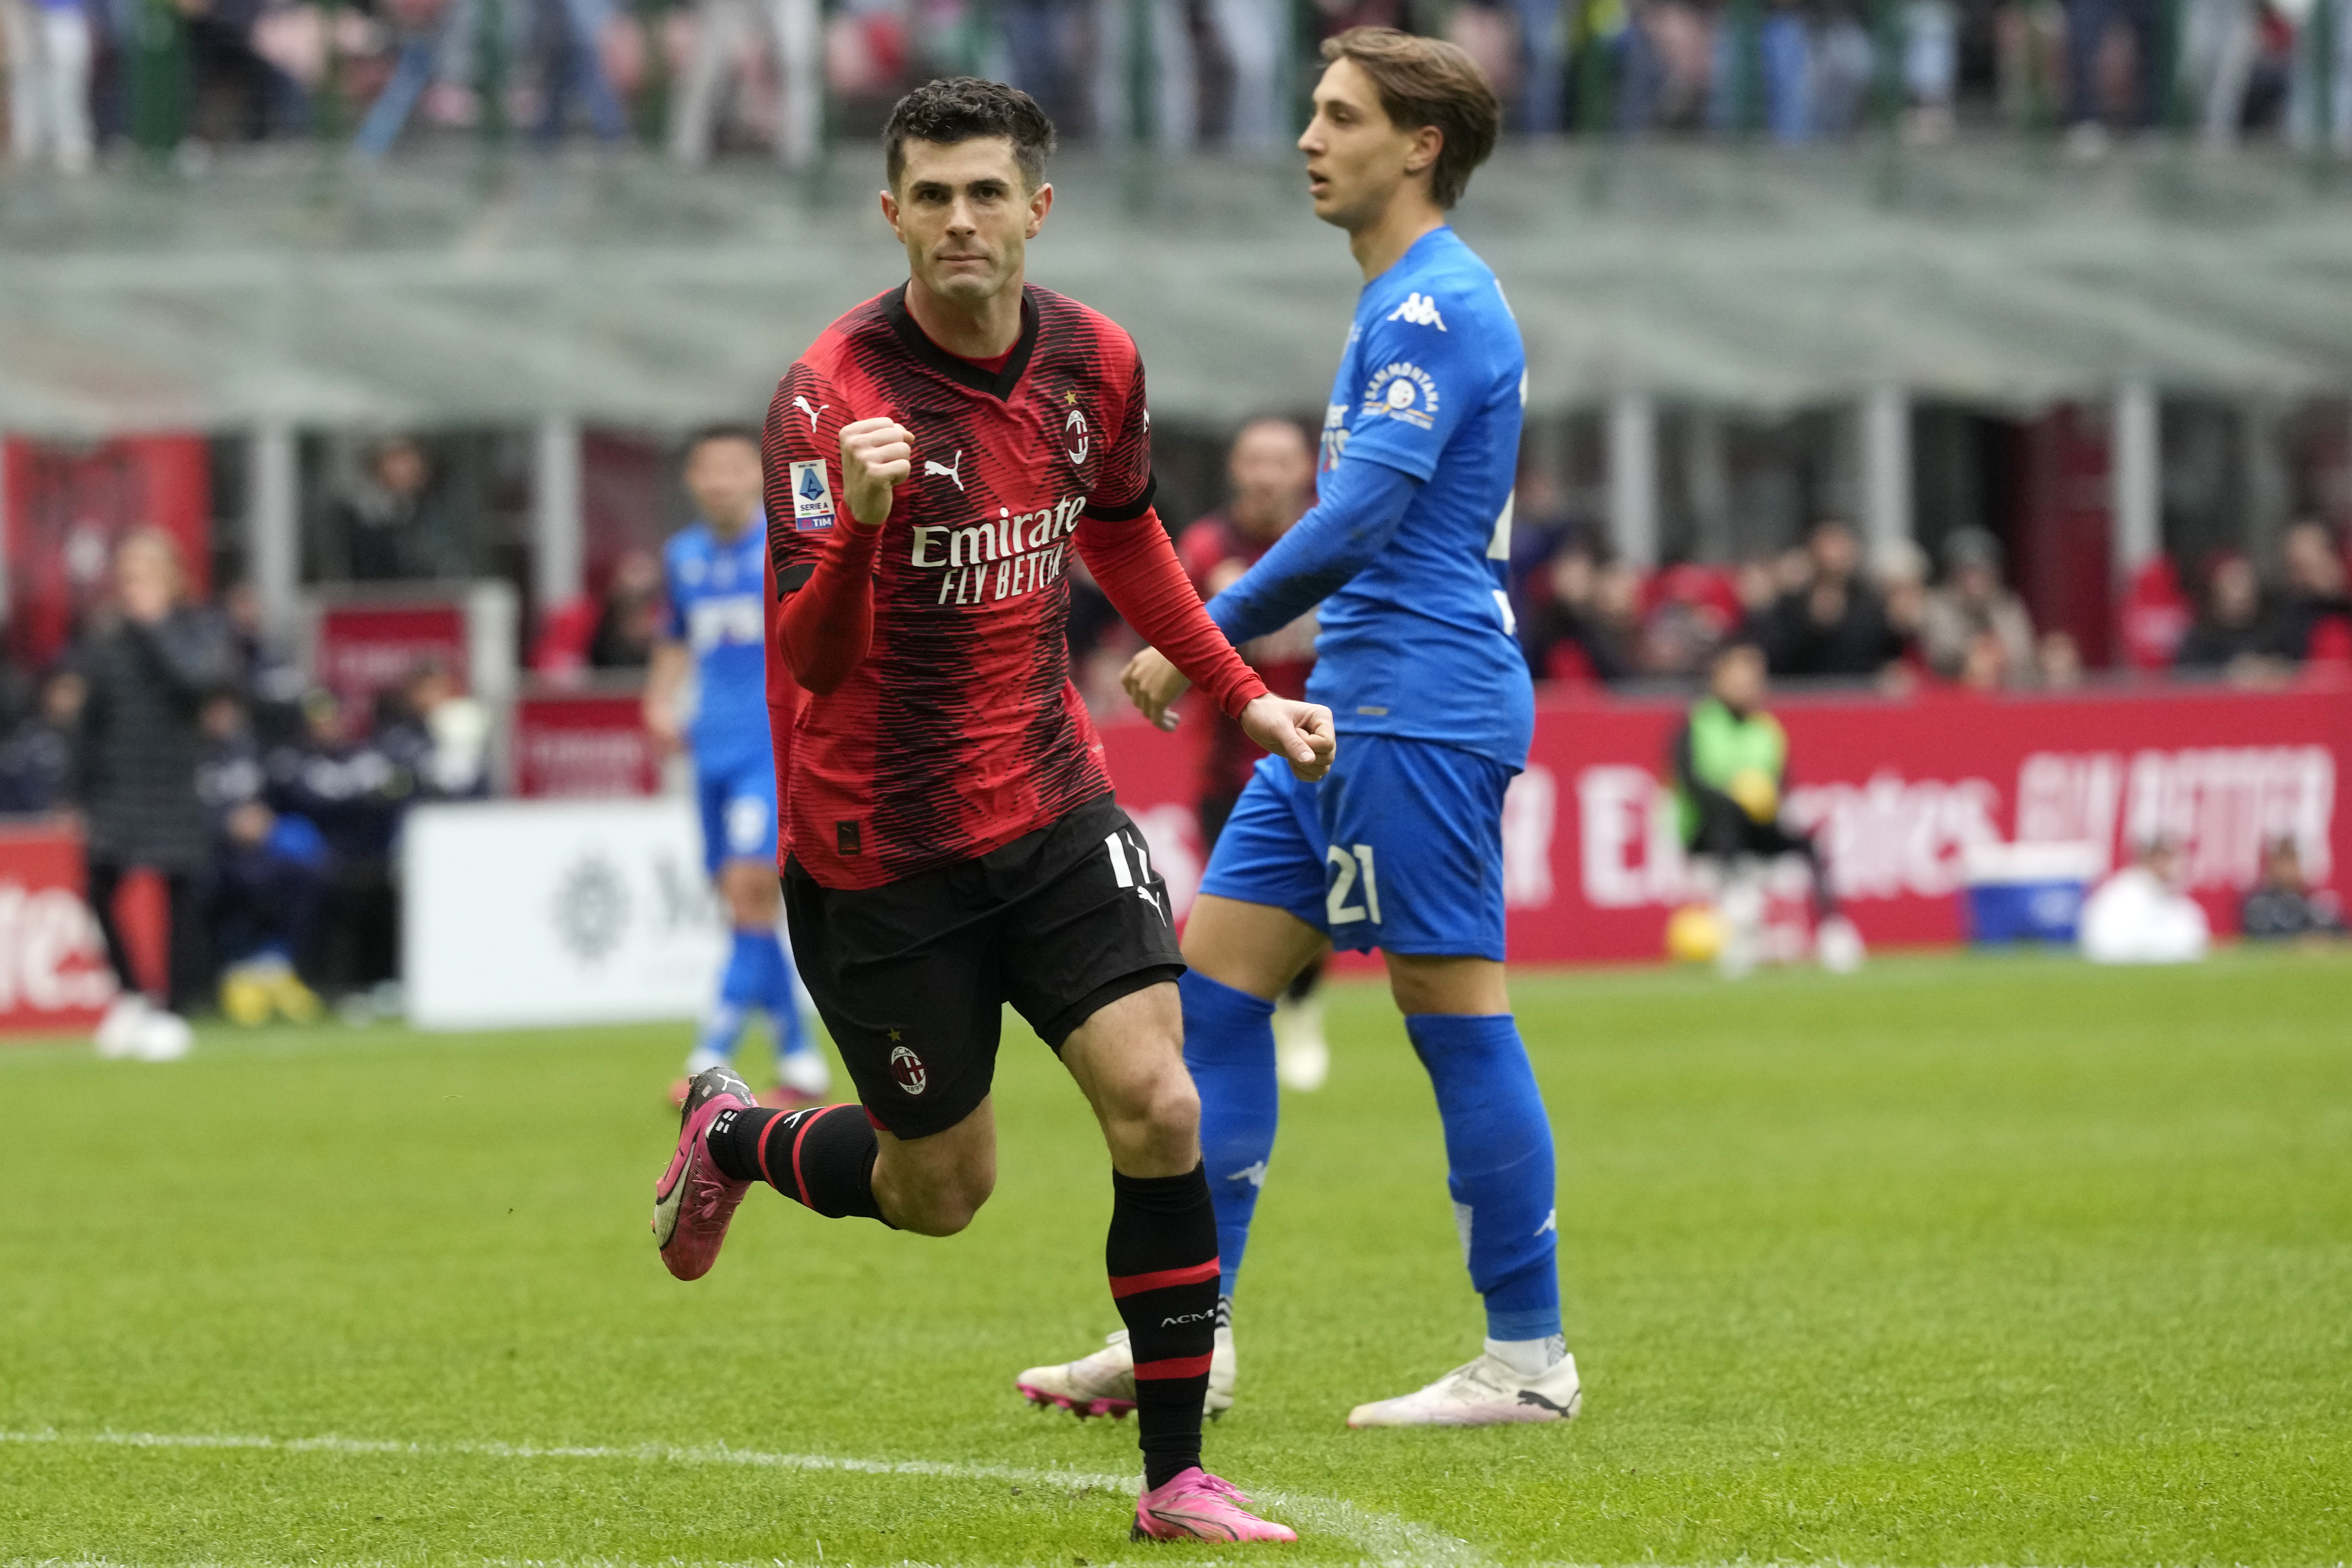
(1400, 848)
(715, 630)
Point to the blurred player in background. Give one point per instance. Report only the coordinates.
(933, 460)
(1401, 846)
(717, 572)
(1272, 469)
(1731, 770)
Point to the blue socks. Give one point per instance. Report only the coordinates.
(1229, 1048)
(1498, 1150)
(758, 974)
(776, 991)
(1498, 1157)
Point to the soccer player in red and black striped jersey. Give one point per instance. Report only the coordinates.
(951, 841)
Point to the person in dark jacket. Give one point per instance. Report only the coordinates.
(343, 782)
(1836, 625)
(150, 663)
(2284, 907)
(36, 756)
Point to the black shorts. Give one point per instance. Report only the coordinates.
(912, 977)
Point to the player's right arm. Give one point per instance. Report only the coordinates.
(665, 679)
(824, 562)
(665, 673)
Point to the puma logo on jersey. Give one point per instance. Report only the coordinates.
(946, 470)
(802, 405)
(1420, 310)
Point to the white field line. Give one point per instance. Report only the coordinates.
(1385, 1539)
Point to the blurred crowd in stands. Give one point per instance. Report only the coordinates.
(1906, 622)
(706, 76)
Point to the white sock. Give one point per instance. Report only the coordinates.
(1529, 1358)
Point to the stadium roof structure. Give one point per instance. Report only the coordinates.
(443, 289)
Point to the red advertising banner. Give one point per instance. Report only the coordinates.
(54, 977)
(1897, 791)
(583, 743)
(362, 650)
(69, 504)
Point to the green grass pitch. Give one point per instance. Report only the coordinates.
(1962, 1261)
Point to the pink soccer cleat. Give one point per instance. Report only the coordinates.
(1197, 1506)
(693, 1200)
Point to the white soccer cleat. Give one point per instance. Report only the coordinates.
(805, 1073)
(119, 1031)
(1483, 1392)
(164, 1037)
(1302, 1056)
(1103, 1384)
(1838, 945)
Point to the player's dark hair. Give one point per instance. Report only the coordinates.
(964, 109)
(724, 430)
(1428, 81)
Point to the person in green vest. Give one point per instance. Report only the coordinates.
(1731, 766)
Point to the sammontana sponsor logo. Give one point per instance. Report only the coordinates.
(1002, 557)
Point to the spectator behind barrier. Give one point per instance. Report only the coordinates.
(151, 658)
(1833, 626)
(269, 878)
(630, 622)
(2139, 915)
(269, 678)
(2283, 906)
(36, 757)
(2236, 635)
(437, 735)
(1971, 603)
(1585, 632)
(2317, 617)
(391, 524)
(1902, 573)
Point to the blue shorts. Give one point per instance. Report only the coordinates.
(1400, 848)
(738, 799)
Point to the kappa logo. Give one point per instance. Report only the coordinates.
(1420, 310)
(909, 1070)
(1253, 1174)
(802, 405)
(1551, 1223)
(946, 470)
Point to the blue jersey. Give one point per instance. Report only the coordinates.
(1421, 644)
(714, 609)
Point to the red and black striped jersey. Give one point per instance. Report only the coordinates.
(958, 730)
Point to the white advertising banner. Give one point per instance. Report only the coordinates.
(542, 911)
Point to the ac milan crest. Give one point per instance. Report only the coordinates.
(909, 1070)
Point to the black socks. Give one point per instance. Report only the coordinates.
(1163, 1256)
(821, 1158)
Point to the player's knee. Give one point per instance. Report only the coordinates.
(1162, 1123)
(944, 1204)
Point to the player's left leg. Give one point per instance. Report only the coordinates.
(1416, 862)
(1090, 959)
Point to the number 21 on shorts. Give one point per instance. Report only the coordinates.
(1351, 868)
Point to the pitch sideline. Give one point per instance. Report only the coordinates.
(1385, 1539)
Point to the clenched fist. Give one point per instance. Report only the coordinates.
(877, 455)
